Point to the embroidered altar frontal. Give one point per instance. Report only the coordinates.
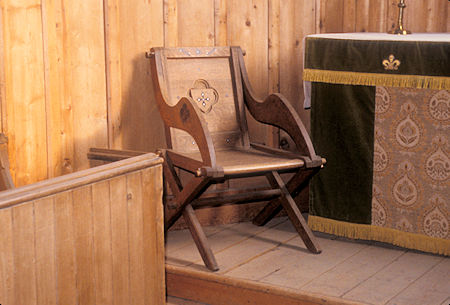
(380, 115)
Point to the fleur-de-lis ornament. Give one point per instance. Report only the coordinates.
(391, 63)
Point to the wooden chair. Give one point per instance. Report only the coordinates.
(202, 94)
(6, 181)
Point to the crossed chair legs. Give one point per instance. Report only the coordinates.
(184, 195)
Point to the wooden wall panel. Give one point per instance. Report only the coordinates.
(248, 27)
(66, 242)
(137, 124)
(153, 254)
(119, 223)
(101, 214)
(44, 223)
(24, 89)
(64, 245)
(85, 63)
(66, 85)
(6, 249)
(24, 255)
(190, 23)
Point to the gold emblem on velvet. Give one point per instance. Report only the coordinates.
(203, 95)
(391, 63)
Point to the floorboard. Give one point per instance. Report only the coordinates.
(349, 270)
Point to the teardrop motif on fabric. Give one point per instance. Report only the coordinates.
(405, 192)
(404, 225)
(407, 133)
(437, 165)
(382, 100)
(439, 106)
(435, 224)
(380, 157)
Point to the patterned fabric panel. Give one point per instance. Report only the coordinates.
(411, 186)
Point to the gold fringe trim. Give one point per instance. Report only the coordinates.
(377, 79)
(369, 232)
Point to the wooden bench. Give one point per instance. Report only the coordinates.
(91, 237)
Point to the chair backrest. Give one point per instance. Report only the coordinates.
(211, 77)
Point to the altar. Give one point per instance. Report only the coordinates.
(380, 115)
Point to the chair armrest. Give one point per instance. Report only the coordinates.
(275, 110)
(184, 114)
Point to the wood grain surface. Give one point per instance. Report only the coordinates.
(67, 85)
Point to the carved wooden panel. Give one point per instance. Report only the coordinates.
(208, 82)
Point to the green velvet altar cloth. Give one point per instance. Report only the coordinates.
(379, 115)
(416, 57)
(342, 119)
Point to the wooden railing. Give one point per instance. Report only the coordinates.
(91, 237)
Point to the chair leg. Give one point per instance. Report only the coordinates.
(183, 197)
(193, 188)
(294, 214)
(295, 185)
(200, 238)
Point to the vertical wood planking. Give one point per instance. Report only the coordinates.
(45, 251)
(2, 75)
(153, 234)
(64, 248)
(120, 236)
(363, 16)
(24, 92)
(141, 27)
(101, 213)
(447, 27)
(6, 258)
(84, 244)
(350, 15)
(379, 21)
(195, 24)
(331, 16)
(392, 14)
(24, 254)
(67, 85)
(113, 71)
(438, 9)
(60, 140)
(248, 27)
(220, 22)
(274, 45)
(135, 235)
(299, 21)
(85, 72)
(415, 15)
(273, 137)
(170, 23)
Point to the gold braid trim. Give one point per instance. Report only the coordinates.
(377, 79)
(369, 232)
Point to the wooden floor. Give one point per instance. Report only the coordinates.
(367, 272)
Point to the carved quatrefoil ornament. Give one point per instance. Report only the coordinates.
(203, 95)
